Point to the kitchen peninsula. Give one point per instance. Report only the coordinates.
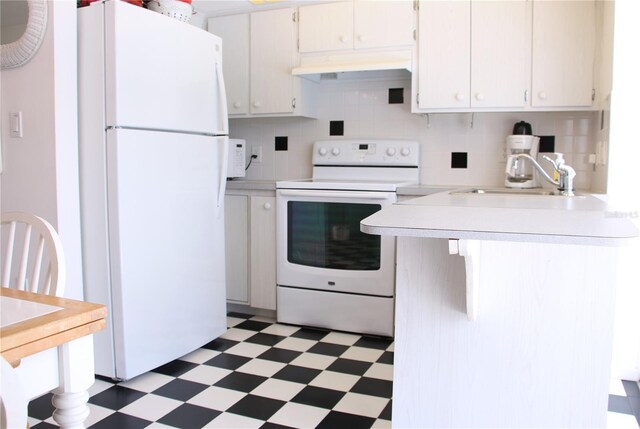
(504, 308)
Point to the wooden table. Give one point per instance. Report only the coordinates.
(52, 350)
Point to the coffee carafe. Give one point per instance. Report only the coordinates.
(522, 173)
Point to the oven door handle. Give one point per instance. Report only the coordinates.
(374, 196)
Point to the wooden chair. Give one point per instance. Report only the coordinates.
(40, 264)
(32, 252)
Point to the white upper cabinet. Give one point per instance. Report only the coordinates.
(234, 31)
(563, 53)
(272, 58)
(472, 54)
(359, 24)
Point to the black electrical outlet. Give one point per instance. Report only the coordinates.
(547, 144)
(336, 128)
(282, 143)
(458, 159)
(396, 95)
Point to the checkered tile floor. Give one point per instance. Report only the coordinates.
(266, 375)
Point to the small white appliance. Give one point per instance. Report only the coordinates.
(236, 167)
(523, 173)
(153, 140)
(329, 273)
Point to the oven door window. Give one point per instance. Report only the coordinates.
(327, 235)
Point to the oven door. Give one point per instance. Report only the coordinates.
(320, 245)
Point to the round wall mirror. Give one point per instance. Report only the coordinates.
(23, 24)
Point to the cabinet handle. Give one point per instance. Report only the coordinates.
(267, 206)
(542, 95)
(257, 104)
(480, 96)
(459, 97)
(342, 39)
(237, 105)
(361, 38)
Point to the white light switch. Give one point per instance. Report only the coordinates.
(15, 124)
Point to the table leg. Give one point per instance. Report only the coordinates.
(76, 372)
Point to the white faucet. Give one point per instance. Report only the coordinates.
(566, 174)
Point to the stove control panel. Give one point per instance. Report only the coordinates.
(366, 152)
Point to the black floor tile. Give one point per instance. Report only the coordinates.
(241, 381)
(181, 390)
(188, 416)
(631, 388)
(386, 413)
(41, 408)
(349, 366)
(256, 407)
(297, 374)
(374, 387)
(116, 397)
(227, 361)
(337, 419)
(634, 403)
(175, 368)
(269, 425)
(220, 344)
(310, 334)
(239, 315)
(387, 357)
(44, 425)
(253, 325)
(279, 355)
(328, 349)
(121, 421)
(318, 397)
(265, 339)
(374, 343)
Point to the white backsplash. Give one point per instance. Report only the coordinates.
(364, 108)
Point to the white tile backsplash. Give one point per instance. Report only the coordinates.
(363, 106)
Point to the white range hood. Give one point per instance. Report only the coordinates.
(317, 66)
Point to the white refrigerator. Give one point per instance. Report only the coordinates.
(153, 139)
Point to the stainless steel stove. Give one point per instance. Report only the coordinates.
(330, 274)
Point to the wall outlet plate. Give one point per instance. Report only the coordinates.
(257, 151)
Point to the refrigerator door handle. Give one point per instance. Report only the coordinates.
(223, 176)
(223, 117)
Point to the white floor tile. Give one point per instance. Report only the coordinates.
(381, 424)
(217, 398)
(277, 329)
(99, 386)
(206, 374)
(382, 371)
(265, 368)
(200, 356)
(247, 349)
(362, 405)
(233, 321)
(278, 389)
(616, 388)
(236, 334)
(335, 381)
(297, 344)
(232, 421)
(313, 360)
(621, 421)
(151, 407)
(363, 354)
(298, 415)
(147, 382)
(265, 319)
(96, 413)
(391, 347)
(341, 338)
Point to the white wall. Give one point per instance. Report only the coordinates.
(40, 170)
(364, 108)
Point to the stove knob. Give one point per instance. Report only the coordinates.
(391, 151)
(405, 151)
(335, 151)
(322, 151)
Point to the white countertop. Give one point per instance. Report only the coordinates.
(582, 219)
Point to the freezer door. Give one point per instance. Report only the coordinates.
(166, 245)
(162, 73)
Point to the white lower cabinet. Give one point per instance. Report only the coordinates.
(250, 242)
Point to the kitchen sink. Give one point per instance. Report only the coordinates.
(507, 191)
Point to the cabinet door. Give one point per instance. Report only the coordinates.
(236, 249)
(499, 53)
(326, 27)
(263, 255)
(234, 31)
(272, 58)
(563, 53)
(444, 54)
(382, 24)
